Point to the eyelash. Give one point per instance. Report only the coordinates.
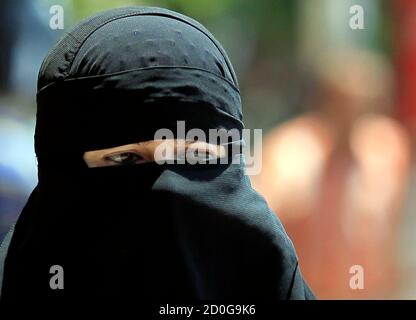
(196, 153)
(117, 158)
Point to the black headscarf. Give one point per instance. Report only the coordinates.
(148, 230)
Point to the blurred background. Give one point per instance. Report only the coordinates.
(337, 107)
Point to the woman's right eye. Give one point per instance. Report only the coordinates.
(125, 158)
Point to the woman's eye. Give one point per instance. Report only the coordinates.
(200, 154)
(125, 158)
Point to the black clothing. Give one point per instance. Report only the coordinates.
(147, 230)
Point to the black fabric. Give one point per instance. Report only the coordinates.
(149, 231)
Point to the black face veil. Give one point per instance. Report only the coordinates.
(151, 231)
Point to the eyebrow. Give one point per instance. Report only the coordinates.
(187, 142)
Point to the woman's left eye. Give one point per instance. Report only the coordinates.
(200, 154)
(125, 158)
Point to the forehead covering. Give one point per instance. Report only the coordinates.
(118, 77)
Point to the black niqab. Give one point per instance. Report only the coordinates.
(150, 231)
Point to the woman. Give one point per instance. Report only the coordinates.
(107, 218)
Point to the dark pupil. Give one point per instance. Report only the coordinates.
(199, 153)
(129, 157)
